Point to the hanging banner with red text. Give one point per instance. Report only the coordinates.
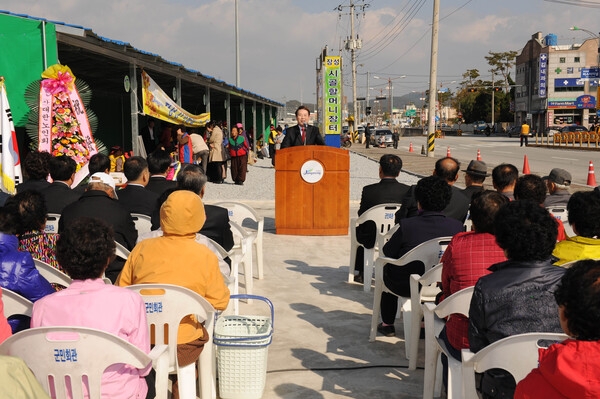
(333, 95)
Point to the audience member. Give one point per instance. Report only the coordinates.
(100, 201)
(59, 194)
(5, 330)
(533, 187)
(117, 158)
(238, 150)
(176, 258)
(558, 182)
(17, 270)
(517, 297)
(85, 248)
(584, 218)
(433, 196)
(569, 370)
(447, 168)
(135, 197)
(98, 163)
(36, 169)
(31, 208)
(504, 178)
(17, 380)
(387, 190)
(475, 175)
(468, 257)
(158, 166)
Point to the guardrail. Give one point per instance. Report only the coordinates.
(588, 140)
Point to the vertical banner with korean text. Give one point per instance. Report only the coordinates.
(333, 100)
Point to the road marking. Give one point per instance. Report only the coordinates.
(566, 159)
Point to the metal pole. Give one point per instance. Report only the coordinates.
(493, 99)
(237, 47)
(353, 59)
(368, 90)
(433, 79)
(390, 99)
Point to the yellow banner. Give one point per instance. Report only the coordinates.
(160, 106)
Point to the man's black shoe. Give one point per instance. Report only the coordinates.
(359, 278)
(388, 331)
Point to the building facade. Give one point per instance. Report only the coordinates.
(556, 84)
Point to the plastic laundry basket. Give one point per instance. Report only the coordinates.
(242, 348)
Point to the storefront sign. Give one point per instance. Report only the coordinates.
(543, 75)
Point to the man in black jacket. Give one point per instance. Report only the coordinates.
(135, 197)
(59, 194)
(302, 133)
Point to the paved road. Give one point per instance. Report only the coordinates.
(495, 150)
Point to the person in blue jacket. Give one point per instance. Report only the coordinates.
(17, 269)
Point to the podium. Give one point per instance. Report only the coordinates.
(312, 191)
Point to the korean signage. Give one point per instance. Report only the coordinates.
(543, 74)
(333, 95)
(587, 73)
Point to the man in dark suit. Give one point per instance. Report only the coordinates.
(135, 197)
(447, 168)
(388, 190)
(59, 194)
(100, 201)
(302, 133)
(158, 166)
(433, 196)
(149, 136)
(36, 170)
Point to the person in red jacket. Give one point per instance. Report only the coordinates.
(238, 149)
(571, 369)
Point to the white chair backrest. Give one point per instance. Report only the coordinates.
(383, 215)
(52, 223)
(457, 303)
(430, 252)
(53, 275)
(502, 354)
(166, 306)
(143, 223)
(15, 304)
(54, 353)
(121, 251)
(561, 213)
(240, 213)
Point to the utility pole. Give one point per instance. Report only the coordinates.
(493, 99)
(353, 43)
(433, 79)
(237, 47)
(390, 100)
(368, 90)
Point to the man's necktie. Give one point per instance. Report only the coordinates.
(303, 134)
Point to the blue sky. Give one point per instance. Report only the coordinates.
(280, 39)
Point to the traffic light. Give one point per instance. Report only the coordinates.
(368, 110)
(497, 88)
(472, 90)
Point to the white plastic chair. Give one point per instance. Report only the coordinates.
(15, 304)
(517, 354)
(167, 305)
(435, 320)
(143, 223)
(383, 216)
(121, 251)
(55, 276)
(428, 293)
(52, 223)
(430, 252)
(241, 252)
(561, 213)
(233, 280)
(241, 213)
(55, 353)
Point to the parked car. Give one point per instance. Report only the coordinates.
(573, 128)
(479, 127)
(514, 131)
(382, 134)
(551, 130)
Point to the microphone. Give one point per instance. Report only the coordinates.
(305, 131)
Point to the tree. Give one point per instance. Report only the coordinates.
(502, 63)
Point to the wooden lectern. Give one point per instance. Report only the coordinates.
(312, 191)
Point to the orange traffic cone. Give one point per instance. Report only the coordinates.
(410, 147)
(591, 181)
(526, 170)
(478, 155)
(448, 152)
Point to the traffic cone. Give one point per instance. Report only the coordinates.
(448, 152)
(478, 155)
(591, 181)
(410, 147)
(526, 170)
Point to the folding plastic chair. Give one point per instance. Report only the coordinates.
(143, 223)
(383, 216)
(430, 252)
(52, 223)
(244, 215)
(166, 306)
(502, 354)
(435, 320)
(72, 355)
(15, 304)
(427, 293)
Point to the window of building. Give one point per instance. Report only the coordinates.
(577, 59)
(562, 60)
